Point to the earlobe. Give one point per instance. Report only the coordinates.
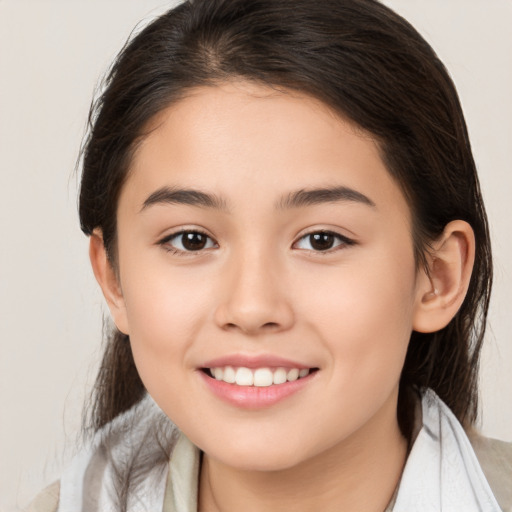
(107, 279)
(441, 290)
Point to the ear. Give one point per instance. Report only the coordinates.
(441, 290)
(108, 280)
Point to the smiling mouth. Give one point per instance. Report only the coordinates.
(257, 377)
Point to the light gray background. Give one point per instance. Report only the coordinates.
(51, 56)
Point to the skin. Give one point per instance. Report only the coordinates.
(260, 287)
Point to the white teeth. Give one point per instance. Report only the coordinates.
(260, 377)
(244, 377)
(280, 376)
(292, 374)
(229, 374)
(263, 377)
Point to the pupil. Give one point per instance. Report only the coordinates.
(193, 241)
(321, 241)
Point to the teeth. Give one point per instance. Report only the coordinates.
(280, 376)
(244, 377)
(263, 377)
(260, 377)
(229, 375)
(292, 374)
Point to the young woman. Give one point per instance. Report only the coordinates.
(286, 222)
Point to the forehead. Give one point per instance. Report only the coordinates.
(241, 139)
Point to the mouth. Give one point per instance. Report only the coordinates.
(256, 382)
(257, 377)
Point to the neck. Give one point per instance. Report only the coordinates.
(360, 473)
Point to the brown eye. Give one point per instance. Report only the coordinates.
(193, 241)
(188, 241)
(322, 241)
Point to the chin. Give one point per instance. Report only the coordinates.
(265, 457)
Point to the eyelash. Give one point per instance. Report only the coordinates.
(165, 242)
(343, 242)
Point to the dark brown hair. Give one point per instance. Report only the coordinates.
(362, 60)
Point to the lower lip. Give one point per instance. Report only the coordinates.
(254, 397)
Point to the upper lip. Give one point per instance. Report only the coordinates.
(253, 361)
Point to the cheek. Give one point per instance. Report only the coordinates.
(165, 313)
(363, 313)
(165, 309)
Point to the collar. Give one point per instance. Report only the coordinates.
(441, 472)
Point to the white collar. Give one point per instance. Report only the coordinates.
(442, 472)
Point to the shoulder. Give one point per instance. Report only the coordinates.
(495, 458)
(121, 462)
(47, 500)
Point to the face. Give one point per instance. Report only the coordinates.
(266, 276)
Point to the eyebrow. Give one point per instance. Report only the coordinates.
(305, 197)
(297, 199)
(168, 195)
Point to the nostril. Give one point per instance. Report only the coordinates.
(230, 326)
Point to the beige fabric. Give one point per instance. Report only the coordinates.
(495, 458)
(181, 491)
(47, 500)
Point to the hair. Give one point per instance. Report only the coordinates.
(367, 64)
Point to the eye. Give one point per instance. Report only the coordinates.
(188, 241)
(322, 241)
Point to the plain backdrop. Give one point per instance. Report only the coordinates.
(52, 54)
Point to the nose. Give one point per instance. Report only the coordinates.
(254, 299)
